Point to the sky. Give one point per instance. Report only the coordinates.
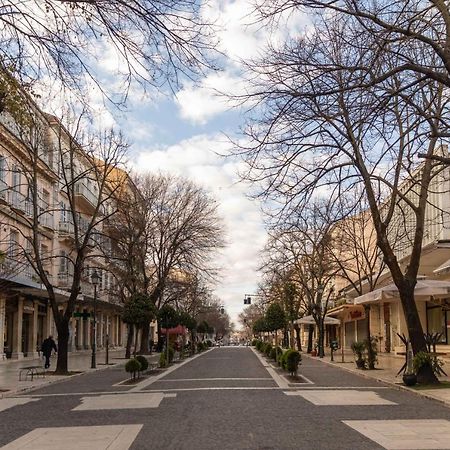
(187, 133)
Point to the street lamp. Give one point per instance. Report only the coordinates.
(95, 279)
(320, 289)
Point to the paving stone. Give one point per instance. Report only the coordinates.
(111, 437)
(341, 397)
(6, 403)
(124, 401)
(405, 434)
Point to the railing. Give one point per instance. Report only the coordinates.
(82, 190)
(64, 279)
(46, 220)
(16, 200)
(4, 188)
(65, 228)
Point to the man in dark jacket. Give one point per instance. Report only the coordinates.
(46, 348)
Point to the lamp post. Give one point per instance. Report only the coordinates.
(95, 279)
(320, 290)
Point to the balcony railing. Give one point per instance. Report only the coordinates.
(82, 190)
(17, 200)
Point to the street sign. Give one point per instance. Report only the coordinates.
(84, 315)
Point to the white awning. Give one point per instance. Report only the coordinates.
(309, 320)
(423, 291)
(443, 267)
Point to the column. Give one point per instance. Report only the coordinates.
(33, 344)
(81, 332)
(100, 329)
(17, 331)
(2, 327)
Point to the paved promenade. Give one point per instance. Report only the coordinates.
(78, 362)
(225, 398)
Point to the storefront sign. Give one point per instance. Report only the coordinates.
(355, 314)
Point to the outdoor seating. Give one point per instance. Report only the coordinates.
(31, 371)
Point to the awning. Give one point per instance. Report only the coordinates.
(443, 267)
(425, 289)
(309, 320)
(176, 330)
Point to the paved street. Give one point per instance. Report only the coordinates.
(226, 398)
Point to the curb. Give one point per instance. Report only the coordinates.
(399, 387)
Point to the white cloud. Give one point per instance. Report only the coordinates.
(195, 158)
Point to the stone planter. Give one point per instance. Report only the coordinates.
(409, 379)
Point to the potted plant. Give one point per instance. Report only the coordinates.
(358, 350)
(314, 350)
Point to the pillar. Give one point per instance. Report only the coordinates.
(100, 330)
(17, 331)
(2, 327)
(34, 344)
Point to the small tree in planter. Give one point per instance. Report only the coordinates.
(162, 360)
(358, 350)
(133, 366)
(268, 349)
(292, 361)
(143, 362)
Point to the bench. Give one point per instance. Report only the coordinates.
(31, 371)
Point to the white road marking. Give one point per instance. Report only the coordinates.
(216, 379)
(10, 402)
(110, 437)
(341, 397)
(405, 434)
(127, 401)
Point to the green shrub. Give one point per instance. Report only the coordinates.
(143, 361)
(268, 349)
(259, 345)
(263, 347)
(254, 342)
(200, 347)
(284, 359)
(280, 357)
(162, 360)
(273, 353)
(423, 359)
(292, 361)
(209, 343)
(133, 366)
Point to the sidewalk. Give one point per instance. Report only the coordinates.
(78, 362)
(386, 371)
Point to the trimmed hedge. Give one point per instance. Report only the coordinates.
(254, 342)
(143, 362)
(292, 361)
(268, 349)
(133, 366)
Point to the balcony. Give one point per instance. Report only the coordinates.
(65, 229)
(4, 188)
(65, 280)
(85, 197)
(46, 220)
(17, 201)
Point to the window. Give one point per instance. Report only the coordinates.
(63, 263)
(2, 168)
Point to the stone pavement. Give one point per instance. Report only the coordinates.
(386, 371)
(78, 362)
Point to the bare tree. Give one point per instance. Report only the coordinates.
(152, 41)
(183, 233)
(314, 135)
(415, 34)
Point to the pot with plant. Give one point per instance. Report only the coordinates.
(358, 350)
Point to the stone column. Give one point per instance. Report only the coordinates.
(2, 327)
(34, 332)
(17, 331)
(81, 332)
(101, 330)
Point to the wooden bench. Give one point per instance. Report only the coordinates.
(31, 371)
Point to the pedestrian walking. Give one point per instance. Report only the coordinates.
(46, 348)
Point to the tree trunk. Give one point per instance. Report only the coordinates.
(129, 341)
(310, 339)
(63, 345)
(297, 338)
(145, 335)
(370, 352)
(418, 344)
(321, 338)
(136, 333)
